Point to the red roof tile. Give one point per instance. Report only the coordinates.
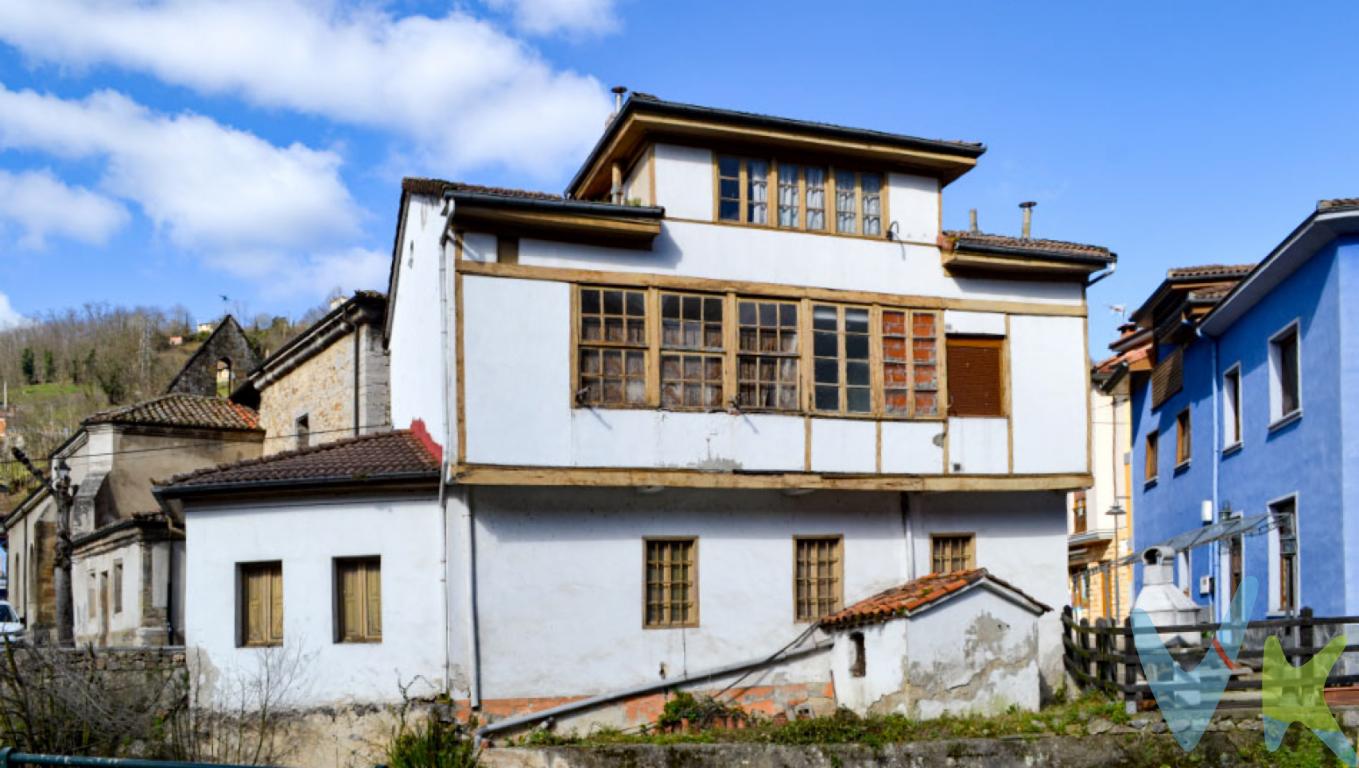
(962, 239)
(181, 410)
(914, 596)
(384, 455)
(1209, 271)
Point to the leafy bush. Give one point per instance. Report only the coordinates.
(699, 712)
(432, 744)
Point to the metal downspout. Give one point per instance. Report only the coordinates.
(1215, 551)
(448, 446)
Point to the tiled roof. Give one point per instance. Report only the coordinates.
(181, 410)
(1209, 271)
(1338, 203)
(423, 186)
(1131, 357)
(382, 455)
(917, 595)
(1038, 247)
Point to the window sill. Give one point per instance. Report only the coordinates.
(1182, 467)
(1284, 421)
(359, 642)
(1234, 448)
(671, 626)
(1148, 484)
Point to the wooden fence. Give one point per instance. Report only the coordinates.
(1102, 655)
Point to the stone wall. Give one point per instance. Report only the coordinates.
(323, 388)
(228, 342)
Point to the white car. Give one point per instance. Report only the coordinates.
(11, 627)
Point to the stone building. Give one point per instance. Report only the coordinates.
(220, 365)
(127, 555)
(329, 382)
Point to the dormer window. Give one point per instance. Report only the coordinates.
(803, 196)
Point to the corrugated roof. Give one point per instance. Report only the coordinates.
(963, 239)
(382, 455)
(181, 410)
(914, 596)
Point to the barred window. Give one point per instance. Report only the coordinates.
(671, 583)
(613, 347)
(768, 363)
(818, 577)
(691, 351)
(952, 552)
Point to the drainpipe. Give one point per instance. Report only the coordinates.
(1098, 276)
(910, 536)
(448, 432)
(1215, 548)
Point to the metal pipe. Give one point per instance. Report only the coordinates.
(1098, 276)
(449, 432)
(627, 693)
(1027, 207)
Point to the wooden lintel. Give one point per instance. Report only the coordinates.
(750, 288)
(473, 474)
(572, 227)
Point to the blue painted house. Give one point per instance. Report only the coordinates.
(1244, 415)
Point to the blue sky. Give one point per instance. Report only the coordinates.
(165, 153)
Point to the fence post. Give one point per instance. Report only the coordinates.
(1101, 648)
(1085, 647)
(1132, 701)
(1305, 631)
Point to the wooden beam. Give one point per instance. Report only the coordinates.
(474, 474)
(773, 290)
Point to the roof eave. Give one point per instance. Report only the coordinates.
(390, 480)
(954, 158)
(1314, 233)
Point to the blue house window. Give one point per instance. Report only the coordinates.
(1231, 406)
(1285, 392)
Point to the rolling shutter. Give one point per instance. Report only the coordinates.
(975, 383)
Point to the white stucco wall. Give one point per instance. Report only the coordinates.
(971, 653)
(417, 387)
(684, 181)
(306, 536)
(913, 203)
(1021, 538)
(725, 252)
(518, 382)
(560, 574)
(1048, 379)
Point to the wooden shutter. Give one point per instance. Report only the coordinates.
(253, 584)
(975, 385)
(274, 574)
(1167, 377)
(373, 593)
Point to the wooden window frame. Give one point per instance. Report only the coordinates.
(1079, 513)
(1001, 346)
(837, 600)
(693, 619)
(702, 351)
(1277, 415)
(970, 551)
(1231, 405)
(243, 607)
(1288, 565)
(830, 202)
(654, 349)
(647, 347)
(797, 355)
(842, 361)
(1184, 438)
(1151, 457)
(366, 564)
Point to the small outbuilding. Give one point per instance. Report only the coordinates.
(945, 643)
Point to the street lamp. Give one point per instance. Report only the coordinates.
(62, 575)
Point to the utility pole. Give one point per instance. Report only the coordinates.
(61, 572)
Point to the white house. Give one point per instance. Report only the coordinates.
(735, 379)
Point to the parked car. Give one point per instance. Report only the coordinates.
(11, 626)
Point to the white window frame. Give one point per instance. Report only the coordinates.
(1231, 410)
(1277, 417)
(1273, 541)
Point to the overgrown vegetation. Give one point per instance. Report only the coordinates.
(432, 743)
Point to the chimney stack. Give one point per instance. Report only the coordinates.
(1028, 217)
(972, 221)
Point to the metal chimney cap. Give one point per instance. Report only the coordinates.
(619, 89)
(1028, 204)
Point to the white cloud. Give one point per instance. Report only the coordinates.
(207, 185)
(9, 318)
(546, 17)
(283, 275)
(460, 90)
(40, 204)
